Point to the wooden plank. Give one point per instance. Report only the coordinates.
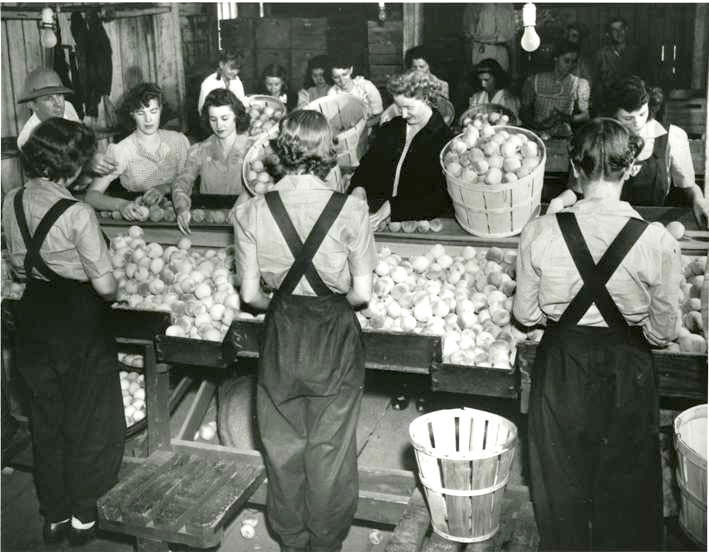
(228, 499)
(157, 393)
(490, 382)
(385, 38)
(138, 512)
(10, 108)
(127, 489)
(190, 352)
(198, 409)
(238, 33)
(389, 58)
(117, 83)
(411, 529)
(18, 68)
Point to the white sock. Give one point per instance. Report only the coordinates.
(58, 523)
(76, 523)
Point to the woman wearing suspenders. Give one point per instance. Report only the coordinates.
(316, 249)
(65, 352)
(607, 283)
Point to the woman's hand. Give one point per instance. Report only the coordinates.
(102, 165)
(382, 214)
(130, 211)
(700, 208)
(555, 205)
(183, 221)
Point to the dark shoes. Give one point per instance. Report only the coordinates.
(54, 533)
(57, 532)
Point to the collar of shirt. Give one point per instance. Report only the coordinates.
(301, 182)
(49, 187)
(604, 206)
(215, 152)
(161, 152)
(652, 129)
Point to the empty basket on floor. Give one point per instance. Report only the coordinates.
(464, 458)
(691, 447)
(498, 210)
(347, 116)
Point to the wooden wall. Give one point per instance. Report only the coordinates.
(144, 48)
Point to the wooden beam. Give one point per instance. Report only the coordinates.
(706, 132)
(181, 86)
(413, 26)
(700, 49)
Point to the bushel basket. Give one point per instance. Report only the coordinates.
(497, 210)
(347, 116)
(464, 458)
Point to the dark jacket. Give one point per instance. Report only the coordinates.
(422, 190)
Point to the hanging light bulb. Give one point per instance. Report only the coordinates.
(382, 11)
(530, 39)
(46, 29)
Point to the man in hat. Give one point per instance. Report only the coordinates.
(44, 93)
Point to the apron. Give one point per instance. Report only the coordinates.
(66, 355)
(546, 102)
(651, 185)
(311, 376)
(593, 427)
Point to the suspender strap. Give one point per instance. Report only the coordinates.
(595, 276)
(304, 253)
(33, 244)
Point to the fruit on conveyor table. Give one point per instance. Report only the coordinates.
(195, 286)
(491, 155)
(411, 226)
(163, 211)
(466, 299)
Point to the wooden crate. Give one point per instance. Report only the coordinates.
(272, 33)
(385, 38)
(690, 115)
(238, 33)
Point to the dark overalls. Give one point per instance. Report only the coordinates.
(651, 185)
(310, 383)
(67, 357)
(593, 427)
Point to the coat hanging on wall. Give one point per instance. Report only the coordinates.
(94, 55)
(80, 32)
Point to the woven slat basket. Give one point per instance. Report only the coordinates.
(347, 116)
(464, 458)
(257, 151)
(691, 446)
(500, 210)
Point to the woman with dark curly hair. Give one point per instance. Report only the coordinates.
(493, 80)
(217, 161)
(315, 248)
(665, 172)
(401, 172)
(607, 284)
(65, 350)
(274, 82)
(317, 80)
(148, 160)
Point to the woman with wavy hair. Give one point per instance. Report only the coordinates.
(65, 349)
(607, 285)
(317, 80)
(401, 172)
(147, 161)
(316, 249)
(218, 160)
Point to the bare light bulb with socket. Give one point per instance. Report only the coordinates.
(47, 37)
(530, 39)
(382, 11)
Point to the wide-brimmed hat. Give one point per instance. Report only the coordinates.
(42, 82)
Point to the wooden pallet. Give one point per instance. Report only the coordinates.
(180, 497)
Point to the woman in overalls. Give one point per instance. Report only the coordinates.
(665, 173)
(554, 102)
(607, 283)
(65, 351)
(316, 249)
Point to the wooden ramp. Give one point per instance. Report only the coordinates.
(180, 498)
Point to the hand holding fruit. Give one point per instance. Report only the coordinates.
(131, 211)
(183, 221)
